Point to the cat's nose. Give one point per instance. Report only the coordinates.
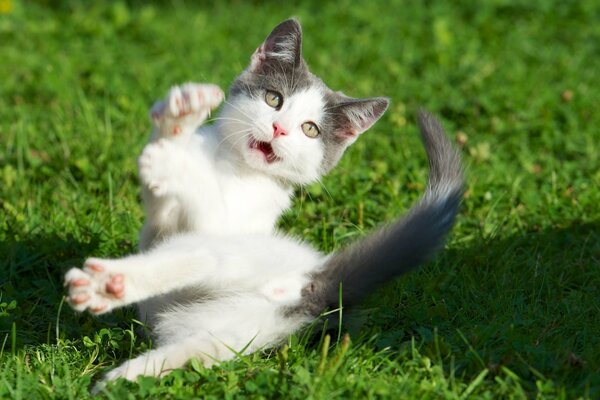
(278, 130)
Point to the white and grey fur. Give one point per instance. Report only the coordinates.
(259, 288)
(209, 180)
(239, 286)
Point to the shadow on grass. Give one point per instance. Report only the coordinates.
(31, 272)
(525, 302)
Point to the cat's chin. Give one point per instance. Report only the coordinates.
(264, 150)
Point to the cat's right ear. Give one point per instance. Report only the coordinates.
(282, 48)
(354, 116)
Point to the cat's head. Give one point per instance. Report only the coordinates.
(283, 120)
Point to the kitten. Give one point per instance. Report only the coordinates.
(281, 127)
(262, 287)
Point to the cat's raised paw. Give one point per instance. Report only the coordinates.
(185, 107)
(94, 288)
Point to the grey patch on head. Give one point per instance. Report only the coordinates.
(283, 69)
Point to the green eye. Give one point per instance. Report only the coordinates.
(310, 129)
(273, 99)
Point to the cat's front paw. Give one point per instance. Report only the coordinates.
(161, 166)
(94, 288)
(185, 107)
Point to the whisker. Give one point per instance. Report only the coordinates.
(244, 135)
(225, 123)
(241, 138)
(239, 109)
(228, 119)
(320, 182)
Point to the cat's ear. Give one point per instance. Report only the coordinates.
(283, 46)
(354, 116)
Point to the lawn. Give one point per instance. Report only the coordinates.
(510, 309)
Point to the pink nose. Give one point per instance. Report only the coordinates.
(278, 130)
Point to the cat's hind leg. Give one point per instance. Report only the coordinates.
(184, 109)
(211, 331)
(161, 361)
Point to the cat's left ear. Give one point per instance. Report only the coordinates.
(354, 116)
(283, 46)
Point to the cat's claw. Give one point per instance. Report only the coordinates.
(185, 107)
(93, 288)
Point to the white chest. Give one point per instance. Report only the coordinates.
(241, 200)
(252, 203)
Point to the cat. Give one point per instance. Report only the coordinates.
(261, 287)
(217, 275)
(280, 127)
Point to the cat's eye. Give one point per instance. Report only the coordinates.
(310, 129)
(274, 99)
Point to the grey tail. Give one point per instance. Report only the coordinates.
(402, 246)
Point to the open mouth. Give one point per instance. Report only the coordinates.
(265, 148)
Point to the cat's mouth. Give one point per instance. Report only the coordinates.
(265, 148)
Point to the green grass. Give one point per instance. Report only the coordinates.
(510, 309)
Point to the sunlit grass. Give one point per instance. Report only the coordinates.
(508, 310)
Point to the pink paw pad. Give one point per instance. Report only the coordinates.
(115, 286)
(79, 282)
(79, 299)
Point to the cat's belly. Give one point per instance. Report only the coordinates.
(234, 223)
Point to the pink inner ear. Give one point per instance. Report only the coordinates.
(356, 126)
(258, 57)
(352, 130)
(346, 133)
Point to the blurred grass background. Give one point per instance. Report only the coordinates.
(510, 309)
